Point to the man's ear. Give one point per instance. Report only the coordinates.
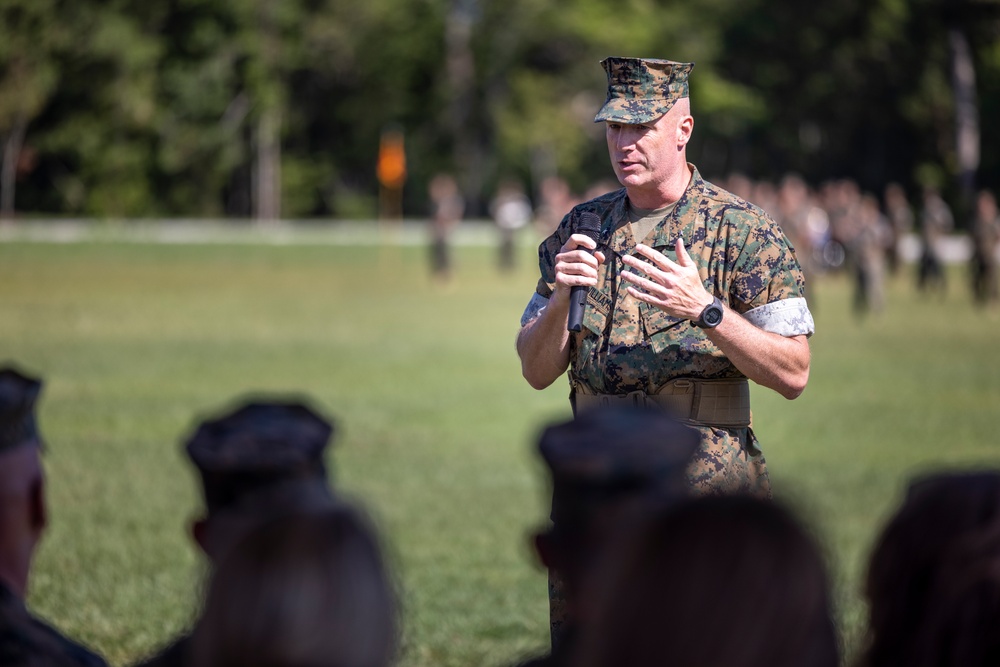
(685, 128)
(545, 550)
(39, 510)
(199, 533)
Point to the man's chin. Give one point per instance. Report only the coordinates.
(631, 180)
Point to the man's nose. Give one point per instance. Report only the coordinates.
(624, 140)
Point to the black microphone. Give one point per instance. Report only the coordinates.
(588, 224)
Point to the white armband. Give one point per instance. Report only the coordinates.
(534, 308)
(788, 317)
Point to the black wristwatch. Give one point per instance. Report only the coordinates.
(710, 316)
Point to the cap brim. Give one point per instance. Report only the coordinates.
(633, 112)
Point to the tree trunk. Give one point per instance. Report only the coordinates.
(963, 76)
(267, 167)
(461, 73)
(8, 169)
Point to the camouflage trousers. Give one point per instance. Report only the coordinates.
(729, 462)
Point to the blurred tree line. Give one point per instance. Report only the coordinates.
(275, 108)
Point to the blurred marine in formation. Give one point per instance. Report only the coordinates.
(511, 211)
(447, 208)
(936, 221)
(25, 640)
(801, 220)
(866, 251)
(900, 216)
(985, 244)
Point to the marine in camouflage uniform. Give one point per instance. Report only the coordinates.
(707, 250)
(24, 639)
(628, 345)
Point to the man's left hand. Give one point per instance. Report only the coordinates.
(674, 287)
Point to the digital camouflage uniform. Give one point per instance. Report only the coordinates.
(628, 345)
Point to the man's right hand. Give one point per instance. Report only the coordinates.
(576, 264)
(543, 343)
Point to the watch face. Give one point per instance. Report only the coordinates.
(713, 316)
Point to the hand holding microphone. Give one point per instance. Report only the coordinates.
(589, 225)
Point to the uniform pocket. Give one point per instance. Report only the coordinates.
(597, 311)
(660, 328)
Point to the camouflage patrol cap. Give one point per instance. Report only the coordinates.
(608, 455)
(18, 394)
(259, 447)
(640, 90)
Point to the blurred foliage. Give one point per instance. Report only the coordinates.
(136, 108)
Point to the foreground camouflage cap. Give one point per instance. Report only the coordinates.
(608, 455)
(268, 448)
(641, 90)
(18, 394)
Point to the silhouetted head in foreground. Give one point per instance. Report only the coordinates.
(25, 640)
(263, 458)
(604, 463)
(302, 590)
(934, 579)
(23, 512)
(720, 580)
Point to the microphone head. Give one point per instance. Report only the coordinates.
(588, 223)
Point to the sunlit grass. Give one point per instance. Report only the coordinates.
(435, 425)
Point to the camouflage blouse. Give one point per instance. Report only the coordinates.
(626, 345)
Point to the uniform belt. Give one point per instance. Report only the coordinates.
(720, 403)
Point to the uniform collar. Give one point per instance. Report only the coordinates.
(666, 232)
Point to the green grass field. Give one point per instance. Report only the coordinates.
(435, 424)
